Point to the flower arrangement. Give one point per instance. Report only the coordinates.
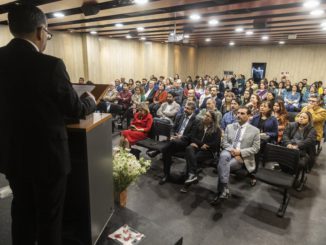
(126, 169)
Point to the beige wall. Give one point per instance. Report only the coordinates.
(302, 61)
(101, 59)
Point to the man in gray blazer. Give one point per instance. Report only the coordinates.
(240, 143)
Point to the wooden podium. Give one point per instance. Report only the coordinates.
(89, 199)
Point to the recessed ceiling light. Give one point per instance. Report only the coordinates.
(119, 25)
(172, 34)
(317, 12)
(186, 36)
(58, 15)
(141, 1)
(195, 17)
(281, 42)
(142, 38)
(208, 40)
(213, 22)
(128, 36)
(93, 32)
(265, 37)
(239, 29)
(231, 43)
(140, 28)
(248, 33)
(311, 4)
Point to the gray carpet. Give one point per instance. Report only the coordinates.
(248, 217)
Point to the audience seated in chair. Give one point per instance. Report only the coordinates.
(184, 128)
(301, 135)
(240, 143)
(214, 95)
(159, 98)
(292, 99)
(318, 115)
(168, 109)
(231, 116)
(149, 92)
(280, 113)
(211, 106)
(204, 143)
(139, 128)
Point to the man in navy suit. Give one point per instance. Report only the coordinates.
(35, 97)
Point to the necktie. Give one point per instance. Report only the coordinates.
(183, 125)
(237, 138)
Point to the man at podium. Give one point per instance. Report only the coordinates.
(35, 96)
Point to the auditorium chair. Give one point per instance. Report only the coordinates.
(288, 160)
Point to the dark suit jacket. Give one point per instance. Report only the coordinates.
(190, 128)
(35, 96)
(270, 126)
(150, 97)
(200, 138)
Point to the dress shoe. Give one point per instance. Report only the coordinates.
(225, 194)
(191, 179)
(215, 201)
(184, 189)
(164, 179)
(152, 154)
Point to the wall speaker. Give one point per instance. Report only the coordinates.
(90, 8)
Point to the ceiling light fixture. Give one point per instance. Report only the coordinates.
(208, 40)
(311, 4)
(58, 15)
(93, 32)
(140, 28)
(323, 24)
(248, 33)
(231, 43)
(195, 17)
(264, 37)
(141, 1)
(128, 36)
(119, 25)
(317, 12)
(239, 29)
(143, 38)
(213, 22)
(186, 36)
(281, 42)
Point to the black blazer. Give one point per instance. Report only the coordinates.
(189, 130)
(35, 96)
(213, 140)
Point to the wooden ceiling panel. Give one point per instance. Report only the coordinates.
(161, 17)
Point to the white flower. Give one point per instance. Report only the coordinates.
(126, 168)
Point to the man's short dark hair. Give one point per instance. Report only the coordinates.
(25, 19)
(245, 107)
(191, 105)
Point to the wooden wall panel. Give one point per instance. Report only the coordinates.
(301, 61)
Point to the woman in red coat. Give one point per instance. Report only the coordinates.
(139, 127)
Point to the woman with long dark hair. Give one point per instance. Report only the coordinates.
(266, 123)
(204, 143)
(301, 135)
(280, 113)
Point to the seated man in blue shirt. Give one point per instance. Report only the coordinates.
(231, 116)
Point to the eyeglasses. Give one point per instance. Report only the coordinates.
(49, 34)
(312, 101)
